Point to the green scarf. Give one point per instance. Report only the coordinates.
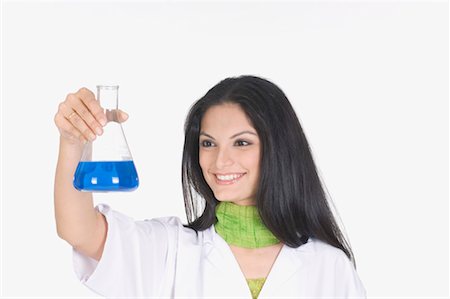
(242, 226)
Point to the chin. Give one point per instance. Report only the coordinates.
(221, 198)
(241, 202)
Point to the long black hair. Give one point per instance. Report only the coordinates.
(290, 197)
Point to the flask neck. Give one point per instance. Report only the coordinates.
(108, 96)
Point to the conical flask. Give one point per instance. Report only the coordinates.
(106, 163)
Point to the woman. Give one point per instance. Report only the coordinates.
(259, 224)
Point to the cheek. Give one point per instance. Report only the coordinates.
(252, 160)
(203, 161)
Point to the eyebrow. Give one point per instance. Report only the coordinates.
(235, 135)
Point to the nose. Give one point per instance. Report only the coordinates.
(224, 158)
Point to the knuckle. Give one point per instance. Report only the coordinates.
(56, 118)
(62, 106)
(72, 98)
(84, 90)
(69, 95)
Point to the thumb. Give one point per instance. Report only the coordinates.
(123, 116)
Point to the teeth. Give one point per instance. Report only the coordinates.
(228, 177)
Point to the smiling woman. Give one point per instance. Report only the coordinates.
(259, 223)
(253, 168)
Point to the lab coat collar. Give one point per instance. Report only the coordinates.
(288, 262)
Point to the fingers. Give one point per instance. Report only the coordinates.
(88, 99)
(68, 130)
(83, 119)
(72, 124)
(80, 116)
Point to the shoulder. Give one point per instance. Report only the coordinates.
(322, 248)
(167, 227)
(330, 272)
(323, 253)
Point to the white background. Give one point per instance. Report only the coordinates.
(369, 82)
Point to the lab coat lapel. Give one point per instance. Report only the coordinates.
(286, 274)
(223, 276)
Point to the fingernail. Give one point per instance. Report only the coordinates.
(99, 131)
(92, 136)
(124, 115)
(103, 121)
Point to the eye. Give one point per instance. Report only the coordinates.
(206, 143)
(242, 143)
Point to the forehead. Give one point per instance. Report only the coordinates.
(227, 115)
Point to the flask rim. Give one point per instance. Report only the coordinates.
(110, 87)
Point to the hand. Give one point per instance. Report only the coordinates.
(80, 117)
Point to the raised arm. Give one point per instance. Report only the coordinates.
(79, 119)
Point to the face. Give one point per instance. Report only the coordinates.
(229, 154)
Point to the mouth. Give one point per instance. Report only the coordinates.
(228, 179)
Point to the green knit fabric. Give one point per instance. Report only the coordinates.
(242, 226)
(255, 286)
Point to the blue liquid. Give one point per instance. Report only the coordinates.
(106, 176)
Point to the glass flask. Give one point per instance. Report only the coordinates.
(106, 163)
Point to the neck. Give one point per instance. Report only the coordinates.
(242, 226)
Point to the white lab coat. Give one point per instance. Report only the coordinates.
(159, 258)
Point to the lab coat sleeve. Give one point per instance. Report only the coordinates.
(136, 260)
(348, 283)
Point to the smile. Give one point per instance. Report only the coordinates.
(228, 179)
